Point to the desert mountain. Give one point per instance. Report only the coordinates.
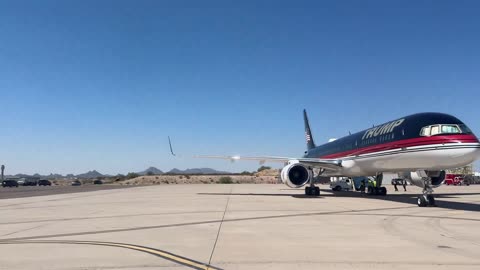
(196, 171)
(152, 170)
(90, 174)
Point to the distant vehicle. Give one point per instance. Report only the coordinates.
(30, 182)
(98, 182)
(21, 182)
(44, 182)
(341, 184)
(453, 179)
(468, 179)
(9, 183)
(76, 183)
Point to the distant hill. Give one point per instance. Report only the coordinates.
(152, 170)
(90, 174)
(52, 176)
(196, 171)
(21, 175)
(95, 174)
(175, 171)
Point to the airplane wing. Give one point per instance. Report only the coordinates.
(329, 164)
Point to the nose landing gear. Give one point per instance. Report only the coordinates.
(427, 199)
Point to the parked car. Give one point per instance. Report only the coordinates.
(30, 182)
(9, 183)
(468, 179)
(76, 183)
(341, 184)
(44, 182)
(98, 182)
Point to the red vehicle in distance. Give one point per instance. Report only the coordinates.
(453, 179)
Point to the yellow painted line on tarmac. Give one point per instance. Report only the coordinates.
(163, 254)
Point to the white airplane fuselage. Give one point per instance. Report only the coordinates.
(425, 141)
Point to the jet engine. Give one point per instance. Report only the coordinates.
(295, 175)
(418, 178)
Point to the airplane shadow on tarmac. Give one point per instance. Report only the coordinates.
(401, 198)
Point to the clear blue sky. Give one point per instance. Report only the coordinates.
(100, 84)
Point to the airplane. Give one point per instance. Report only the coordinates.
(419, 147)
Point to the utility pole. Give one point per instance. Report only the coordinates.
(3, 170)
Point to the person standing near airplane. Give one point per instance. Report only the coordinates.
(371, 185)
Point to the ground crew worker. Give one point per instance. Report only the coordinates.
(395, 184)
(371, 185)
(404, 182)
(362, 186)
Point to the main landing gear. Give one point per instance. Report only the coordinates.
(382, 191)
(427, 198)
(311, 189)
(377, 189)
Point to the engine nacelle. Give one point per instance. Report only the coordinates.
(295, 175)
(417, 178)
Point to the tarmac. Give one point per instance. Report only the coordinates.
(239, 227)
(30, 191)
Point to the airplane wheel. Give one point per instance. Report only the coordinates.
(431, 200)
(422, 201)
(312, 191)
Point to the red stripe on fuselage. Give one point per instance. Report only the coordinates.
(440, 139)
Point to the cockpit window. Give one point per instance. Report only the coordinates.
(425, 131)
(444, 129)
(435, 130)
(450, 129)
